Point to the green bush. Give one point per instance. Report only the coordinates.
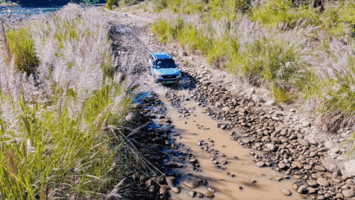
(22, 48)
(110, 3)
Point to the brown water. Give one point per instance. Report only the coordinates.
(245, 170)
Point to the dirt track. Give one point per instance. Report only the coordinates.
(222, 144)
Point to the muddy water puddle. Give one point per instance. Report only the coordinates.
(233, 173)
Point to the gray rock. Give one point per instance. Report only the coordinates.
(191, 183)
(301, 189)
(322, 182)
(320, 168)
(176, 190)
(286, 192)
(348, 193)
(339, 196)
(328, 163)
(199, 195)
(209, 195)
(282, 165)
(192, 193)
(306, 124)
(163, 189)
(130, 116)
(225, 109)
(283, 132)
(303, 142)
(211, 190)
(260, 164)
(312, 183)
(271, 146)
(270, 103)
(349, 167)
(311, 190)
(297, 164)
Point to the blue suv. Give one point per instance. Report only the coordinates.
(163, 68)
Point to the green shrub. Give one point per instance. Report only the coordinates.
(227, 8)
(110, 3)
(22, 47)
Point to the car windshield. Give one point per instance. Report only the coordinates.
(165, 63)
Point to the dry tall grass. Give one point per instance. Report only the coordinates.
(51, 135)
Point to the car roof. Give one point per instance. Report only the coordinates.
(161, 55)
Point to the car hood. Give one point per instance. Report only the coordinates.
(167, 71)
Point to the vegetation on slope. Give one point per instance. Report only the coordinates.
(54, 94)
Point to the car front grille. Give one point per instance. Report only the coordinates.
(169, 76)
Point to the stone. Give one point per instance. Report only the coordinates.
(283, 132)
(320, 168)
(149, 182)
(312, 183)
(286, 192)
(328, 163)
(278, 178)
(349, 167)
(303, 142)
(348, 193)
(297, 164)
(260, 164)
(199, 195)
(322, 182)
(209, 195)
(163, 190)
(339, 196)
(282, 165)
(225, 109)
(130, 116)
(192, 193)
(271, 146)
(211, 190)
(306, 124)
(307, 167)
(301, 189)
(151, 189)
(311, 190)
(176, 190)
(191, 183)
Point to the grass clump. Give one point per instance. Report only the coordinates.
(21, 45)
(111, 3)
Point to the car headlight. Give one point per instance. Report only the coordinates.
(179, 76)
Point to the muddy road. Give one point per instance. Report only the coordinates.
(203, 141)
